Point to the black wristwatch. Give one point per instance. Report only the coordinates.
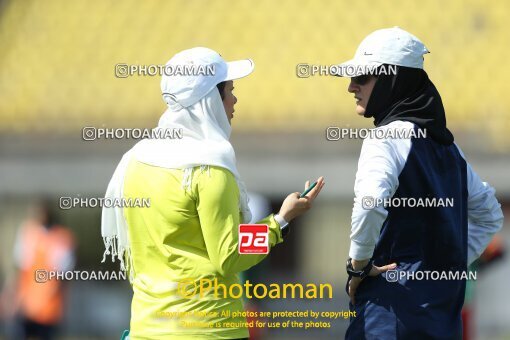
(285, 231)
(358, 273)
(284, 225)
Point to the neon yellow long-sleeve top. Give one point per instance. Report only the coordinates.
(184, 239)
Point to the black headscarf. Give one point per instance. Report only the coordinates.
(409, 95)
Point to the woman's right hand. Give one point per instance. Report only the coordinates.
(293, 206)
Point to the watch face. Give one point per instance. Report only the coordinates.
(355, 273)
(358, 273)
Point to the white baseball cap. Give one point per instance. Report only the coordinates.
(392, 46)
(191, 74)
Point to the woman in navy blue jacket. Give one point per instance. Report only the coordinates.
(421, 215)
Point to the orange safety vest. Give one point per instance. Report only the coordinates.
(43, 250)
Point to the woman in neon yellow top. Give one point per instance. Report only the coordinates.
(187, 240)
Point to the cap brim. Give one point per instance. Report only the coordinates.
(239, 69)
(356, 67)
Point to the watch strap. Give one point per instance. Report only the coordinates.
(362, 273)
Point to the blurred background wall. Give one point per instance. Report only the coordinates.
(57, 76)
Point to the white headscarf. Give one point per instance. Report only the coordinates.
(206, 133)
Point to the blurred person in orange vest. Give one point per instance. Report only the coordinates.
(42, 247)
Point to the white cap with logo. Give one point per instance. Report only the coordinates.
(392, 46)
(191, 74)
